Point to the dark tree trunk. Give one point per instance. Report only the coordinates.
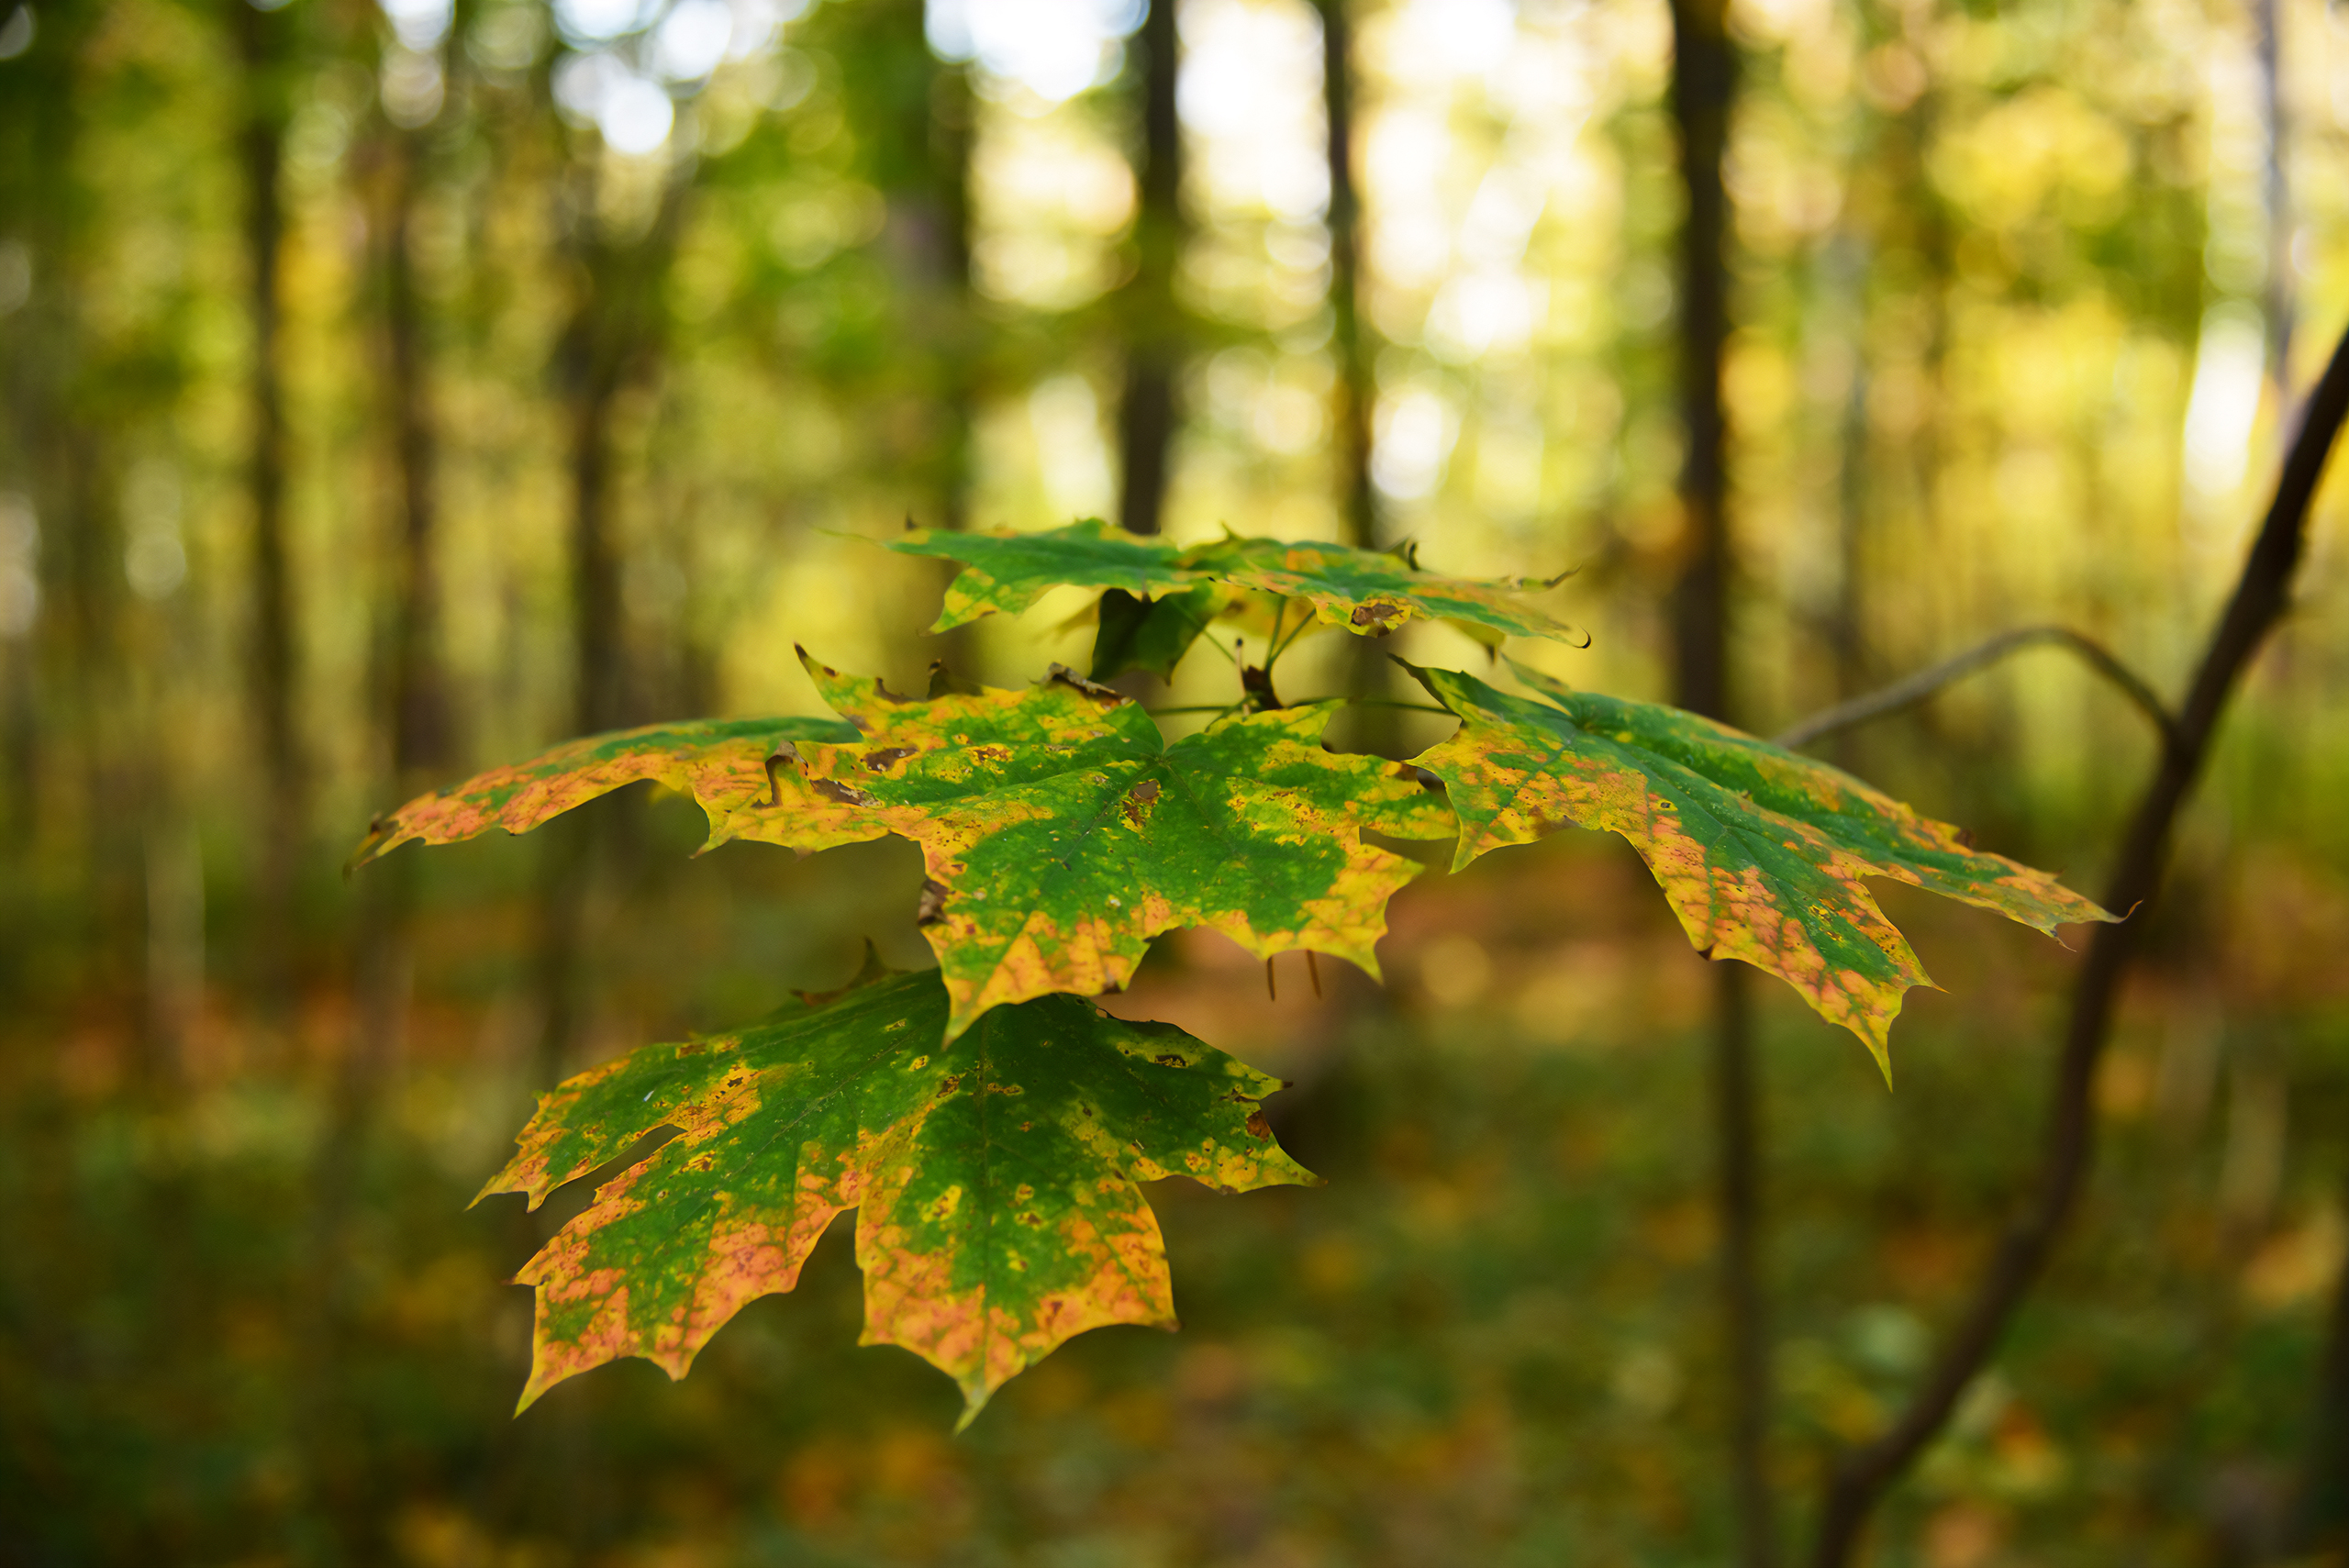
(418, 694)
(2320, 1515)
(611, 340)
(1349, 341)
(1704, 79)
(2268, 22)
(261, 153)
(1147, 413)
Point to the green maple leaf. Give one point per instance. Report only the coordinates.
(1152, 634)
(1009, 571)
(1061, 831)
(1366, 592)
(995, 1179)
(1760, 850)
(1372, 592)
(722, 763)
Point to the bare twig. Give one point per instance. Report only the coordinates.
(1915, 689)
(1861, 1477)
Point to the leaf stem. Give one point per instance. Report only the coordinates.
(1281, 647)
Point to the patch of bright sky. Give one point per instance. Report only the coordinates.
(1054, 48)
(1251, 100)
(632, 57)
(419, 24)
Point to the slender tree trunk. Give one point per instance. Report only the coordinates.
(1146, 412)
(2268, 22)
(610, 341)
(261, 149)
(1847, 266)
(573, 849)
(1704, 81)
(417, 692)
(1349, 339)
(1355, 396)
(2320, 1514)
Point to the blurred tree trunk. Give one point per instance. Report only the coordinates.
(915, 117)
(609, 342)
(1146, 412)
(2320, 1515)
(1356, 393)
(2276, 189)
(1357, 388)
(1847, 268)
(914, 114)
(1704, 82)
(72, 661)
(261, 153)
(412, 715)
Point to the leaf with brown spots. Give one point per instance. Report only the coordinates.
(743, 772)
(1760, 851)
(1009, 570)
(1368, 593)
(995, 1179)
(1062, 833)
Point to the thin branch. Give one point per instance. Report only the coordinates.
(1859, 1480)
(1915, 689)
(1303, 625)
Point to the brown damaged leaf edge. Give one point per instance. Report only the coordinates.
(996, 1179)
(739, 771)
(1760, 851)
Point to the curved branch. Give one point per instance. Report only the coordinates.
(1915, 689)
(1861, 1477)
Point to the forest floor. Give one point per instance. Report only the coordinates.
(1489, 1340)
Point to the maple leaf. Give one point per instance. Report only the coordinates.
(1366, 592)
(722, 763)
(1760, 850)
(1007, 569)
(1061, 831)
(995, 1179)
(1152, 634)
(1372, 592)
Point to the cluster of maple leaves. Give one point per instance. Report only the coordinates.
(989, 1125)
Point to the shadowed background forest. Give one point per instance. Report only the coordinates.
(394, 390)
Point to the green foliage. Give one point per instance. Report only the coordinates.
(994, 1178)
(1760, 850)
(1368, 593)
(989, 1126)
(1061, 831)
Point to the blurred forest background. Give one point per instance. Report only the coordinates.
(392, 390)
